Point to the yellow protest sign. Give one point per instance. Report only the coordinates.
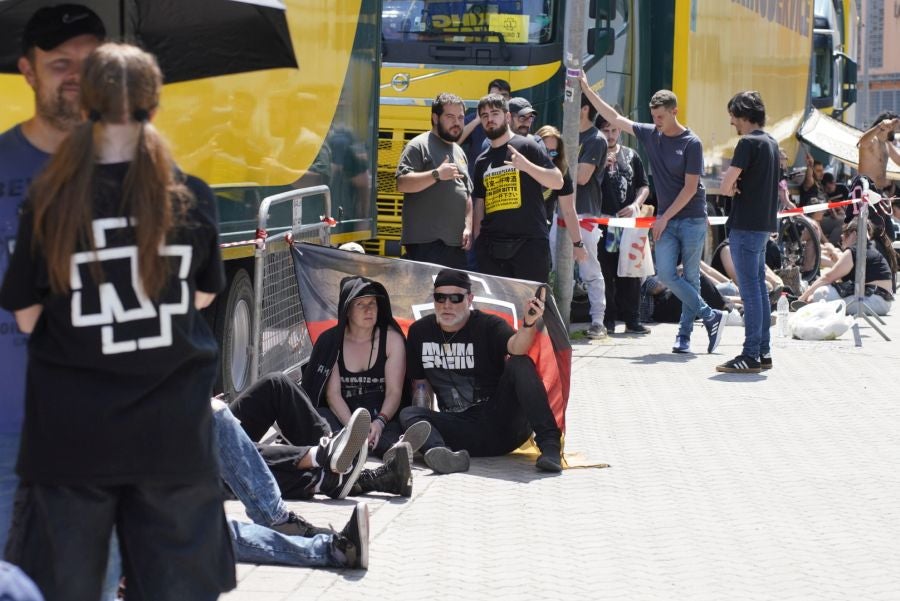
(502, 190)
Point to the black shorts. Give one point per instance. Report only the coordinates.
(174, 539)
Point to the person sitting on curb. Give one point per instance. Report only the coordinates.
(360, 362)
(302, 466)
(488, 390)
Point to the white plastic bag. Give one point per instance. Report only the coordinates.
(635, 260)
(821, 321)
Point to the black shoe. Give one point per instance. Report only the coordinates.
(297, 526)
(338, 486)
(765, 362)
(549, 461)
(444, 461)
(352, 543)
(740, 365)
(336, 454)
(610, 327)
(636, 328)
(394, 476)
(415, 436)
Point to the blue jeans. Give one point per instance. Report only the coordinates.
(257, 544)
(748, 251)
(9, 482)
(244, 471)
(683, 238)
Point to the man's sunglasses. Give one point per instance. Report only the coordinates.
(455, 297)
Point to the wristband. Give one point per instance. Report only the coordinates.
(382, 418)
(579, 244)
(527, 325)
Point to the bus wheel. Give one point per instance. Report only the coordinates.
(234, 327)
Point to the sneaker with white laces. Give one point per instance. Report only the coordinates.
(682, 344)
(597, 331)
(715, 327)
(415, 436)
(741, 364)
(336, 454)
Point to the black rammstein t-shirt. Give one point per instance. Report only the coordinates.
(118, 384)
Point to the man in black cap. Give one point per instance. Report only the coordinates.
(488, 390)
(55, 42)
(521, 115)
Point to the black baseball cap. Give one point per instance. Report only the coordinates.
(520, 106)
(453, 277)
(50, 26)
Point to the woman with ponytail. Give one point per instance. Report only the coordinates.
(115, 256)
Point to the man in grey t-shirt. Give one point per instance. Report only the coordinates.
(676, 159)
(433, 176)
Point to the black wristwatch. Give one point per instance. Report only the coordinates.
(579, 244)
(436, 175)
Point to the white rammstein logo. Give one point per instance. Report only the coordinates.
(112, 310)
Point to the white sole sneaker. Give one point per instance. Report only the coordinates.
(415, 436)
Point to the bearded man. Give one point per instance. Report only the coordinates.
(437, 193)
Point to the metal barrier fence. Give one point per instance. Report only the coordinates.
(280, 339)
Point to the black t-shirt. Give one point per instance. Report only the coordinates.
(877, 267)
(620, 185)
(463, 368)
(513, 200)
(118, 385)
(592, 148)
(755, 205)
(813, 195)
(551, 197)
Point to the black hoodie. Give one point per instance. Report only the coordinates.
(327, 348)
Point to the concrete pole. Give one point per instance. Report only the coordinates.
(864, 45)
(575, 49)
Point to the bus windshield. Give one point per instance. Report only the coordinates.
(492, 21)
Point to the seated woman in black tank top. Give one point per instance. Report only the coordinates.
(367, 349)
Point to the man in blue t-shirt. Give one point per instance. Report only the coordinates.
(55, 42)
(676, 161)
(752, 179)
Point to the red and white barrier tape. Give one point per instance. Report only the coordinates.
(589, 223)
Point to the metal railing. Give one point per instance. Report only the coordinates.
(279, 336)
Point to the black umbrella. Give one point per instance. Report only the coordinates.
(191, 39)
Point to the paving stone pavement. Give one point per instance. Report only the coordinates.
(782, 485)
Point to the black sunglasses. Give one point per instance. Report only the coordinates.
(455, 297)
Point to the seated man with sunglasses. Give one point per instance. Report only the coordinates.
(488, 390)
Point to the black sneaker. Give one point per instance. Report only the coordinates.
(740, 365)
(336, 454)
(297, 526)
(338, 486)
(444, 461)
(715, 328)
(765, 362)
(549, 461)
(415, 436)
(352, 543)
(636, 328)
(394, 476)
(610, 327)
